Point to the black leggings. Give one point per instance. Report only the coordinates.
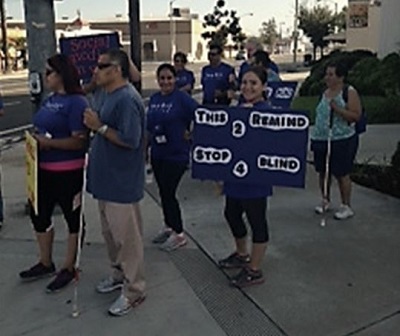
(63, 188)
(168, 174)
(256, 213)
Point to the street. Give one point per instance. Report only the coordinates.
(19, 109)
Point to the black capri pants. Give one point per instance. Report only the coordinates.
(62, 188)
(256, 213)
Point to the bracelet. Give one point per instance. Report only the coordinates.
(103, 129)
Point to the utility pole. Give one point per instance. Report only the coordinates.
(172, 29)
(295, 32)
(4, 35)
(135, 34)
(40, 28)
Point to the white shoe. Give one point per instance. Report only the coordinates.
(344, 212)
(319, 208)
(108, 285)
(123, 305)
(174, 242)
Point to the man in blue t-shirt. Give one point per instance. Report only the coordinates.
(116, 177)
(252, 46)
(218, 79)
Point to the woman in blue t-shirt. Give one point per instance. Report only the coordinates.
(184, 77)
(61, 138)
(250, 200)
(170, 113)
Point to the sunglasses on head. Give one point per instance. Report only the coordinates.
(101, 66)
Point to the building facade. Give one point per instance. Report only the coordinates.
(374, 25)
(160, 37)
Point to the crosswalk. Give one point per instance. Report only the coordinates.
(14, 86)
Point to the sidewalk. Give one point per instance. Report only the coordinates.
(334, 281)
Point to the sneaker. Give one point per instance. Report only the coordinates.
(122, 305)
(174, 242)
(344, 212)
(108, 285)
(162, 236)
(235, 260)
(319, 209)
(62, 280)
(247, 277)
(37, 271)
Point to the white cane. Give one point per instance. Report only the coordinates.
(327, 172)
(75, 302)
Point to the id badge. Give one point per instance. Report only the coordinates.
(161, 139)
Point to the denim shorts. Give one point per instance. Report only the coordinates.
(342, 157)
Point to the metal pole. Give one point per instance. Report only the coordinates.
(135, 35)
(4, 35)
(295, 32)
(40, 29)
(172, 29)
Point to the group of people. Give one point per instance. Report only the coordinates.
(120, 136)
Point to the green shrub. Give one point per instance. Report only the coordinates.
(314, 84)
(366, 77)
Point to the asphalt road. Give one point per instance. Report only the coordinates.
(19, 109)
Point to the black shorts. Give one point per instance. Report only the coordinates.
(64, 189)
(342, 157)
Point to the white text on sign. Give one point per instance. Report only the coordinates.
(278, 122)
(211, 155)
(211, 118)
(285, 164)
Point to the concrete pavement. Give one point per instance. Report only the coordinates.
(334, 281)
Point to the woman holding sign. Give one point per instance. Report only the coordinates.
(169, 116)
(250, 200)
(61, 137)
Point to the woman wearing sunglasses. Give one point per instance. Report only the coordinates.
(169, 116)
(184, 77)
(61, 137)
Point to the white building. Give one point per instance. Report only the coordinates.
(374, 25)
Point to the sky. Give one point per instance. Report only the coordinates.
(262, 10)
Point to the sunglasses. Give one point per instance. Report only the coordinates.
(178, 60)
(213, 53)
(49, 72)
(102, 66)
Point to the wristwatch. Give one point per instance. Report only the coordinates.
(103, 129)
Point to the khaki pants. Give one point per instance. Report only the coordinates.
(122, 232)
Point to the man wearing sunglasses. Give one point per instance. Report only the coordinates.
(217, 79)
(116, 177)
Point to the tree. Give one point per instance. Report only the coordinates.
(223, 23)
(269, 33)
(317, 23)
(341, 19)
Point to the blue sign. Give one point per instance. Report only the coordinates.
(84, 51)
(281, 94)
(245, 145)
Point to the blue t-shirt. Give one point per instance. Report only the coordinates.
(184, 77)
(58, 117)
(168, 117)
(272, 66)
(116, 174)
(248, 191)
(215, 78)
